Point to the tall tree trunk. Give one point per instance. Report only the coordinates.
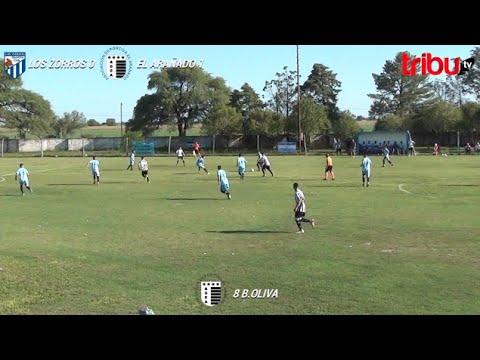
(180, 127)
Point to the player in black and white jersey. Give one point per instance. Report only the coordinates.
(300, 209)
(180, 155)
(143, 166)
(265, 163)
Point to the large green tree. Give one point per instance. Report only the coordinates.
(222, 120)
(313, 118)
(472, 77)
(346, 126)
(245, 101)
(470, 121)
(181, 95)
(282, 92)
(391, 122)
(23, 110)
(438, 117)
(267, 122)
(69, 122)
(396, 93)
(323, 87)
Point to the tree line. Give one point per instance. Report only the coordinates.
(419, 104)
(183, 97)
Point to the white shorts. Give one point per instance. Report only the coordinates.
(96, 173)
(386, 157)
(24, 182)
(366, 173)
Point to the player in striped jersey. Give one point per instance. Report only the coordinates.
(300, 209)
(143, 165)
(265, 163)
(180, 155)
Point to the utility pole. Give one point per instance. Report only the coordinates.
(121, 119)
(299, 94)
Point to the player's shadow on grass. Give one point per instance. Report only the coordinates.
(461, 185)
(90, 184)
(193, 199)
(248, 232)
(334, 184)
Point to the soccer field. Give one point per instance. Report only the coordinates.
(409, 244)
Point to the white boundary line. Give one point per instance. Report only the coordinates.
(400, 187)
(2, 177)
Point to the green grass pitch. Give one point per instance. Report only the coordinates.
(409, 244)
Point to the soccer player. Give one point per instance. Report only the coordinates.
(95, 167)
(196, 149)
(411, 148)
(386, 155)
(201, 164)
(223, 182)
(22, 176)
(180, 155)
(132, 161)
(366, 169)
(435, 149)
(259, 162)
(143, 165)
(242, 164)
(300, 209)
(265, 164)
(329, 167)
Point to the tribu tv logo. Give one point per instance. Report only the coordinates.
(15, 63)
(435, 65)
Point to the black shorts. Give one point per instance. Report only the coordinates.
(299, 215)
(179, 157)
(145, 173)
(196, 152)
(266, 167)
(328, 168)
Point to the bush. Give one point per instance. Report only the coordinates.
(110, 122)
(93, 122)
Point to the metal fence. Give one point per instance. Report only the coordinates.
(167, 145)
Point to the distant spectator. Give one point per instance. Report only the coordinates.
(353, 148)
(395, 149)
(338, 149)
(477, 146)
(468, 148)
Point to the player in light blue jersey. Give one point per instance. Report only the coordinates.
(95, 167)
(386, 155)
(201, 164)
(366, 169)
(22, 176)
(223, 182)
(242, 164)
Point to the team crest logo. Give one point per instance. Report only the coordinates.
(211, 292)
(15, 63)
(116, 63)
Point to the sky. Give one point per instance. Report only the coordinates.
(88, 91)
